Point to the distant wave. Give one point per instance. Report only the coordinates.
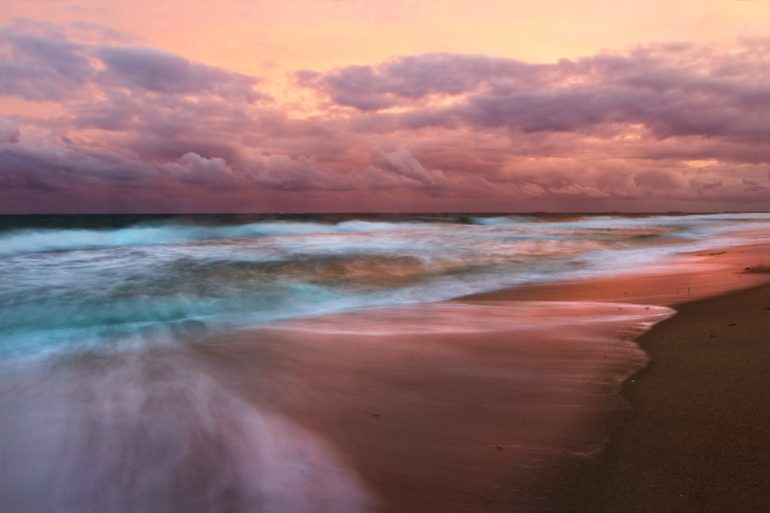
(618, 222)
(75, 287)
(37, 240)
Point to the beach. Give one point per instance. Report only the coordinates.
(337, 366)
(431, 420)
(694, 438)
(461, 420)
(358, 256)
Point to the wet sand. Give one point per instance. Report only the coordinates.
(687, 278)
(466, 421)
(500, 402)
(487, 420)
(696, 439)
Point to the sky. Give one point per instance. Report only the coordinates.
(116, 106)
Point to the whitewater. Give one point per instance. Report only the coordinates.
(73, 282)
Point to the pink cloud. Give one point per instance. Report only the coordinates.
(657, 127)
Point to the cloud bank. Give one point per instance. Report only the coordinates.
(131, 128)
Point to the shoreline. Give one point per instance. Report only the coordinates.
(447, 420)
(700, 275)
(462, 421)
(695, 438)
(491, 403)
(431, 418)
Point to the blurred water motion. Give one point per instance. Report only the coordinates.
(224, 364)
(69, 284)
(152, 432)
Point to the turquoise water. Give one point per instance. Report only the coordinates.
(69, 282)
(114, 395)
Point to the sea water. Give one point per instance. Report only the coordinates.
(103, 407)
(69, 282)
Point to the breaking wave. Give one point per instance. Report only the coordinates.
(101, 281)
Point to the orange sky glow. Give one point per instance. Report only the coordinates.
(353, 105)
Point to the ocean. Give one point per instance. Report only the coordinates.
(79, 281)
(192, 363)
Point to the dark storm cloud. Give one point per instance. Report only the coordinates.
(672, 90)
(414, 77)
(52, 166)
(163, 72)
(46, 165)
(41, 67)
(9, 131)
(42, 64)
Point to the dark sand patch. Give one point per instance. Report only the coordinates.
(697, 437)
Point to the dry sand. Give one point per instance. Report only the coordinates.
(697, 437)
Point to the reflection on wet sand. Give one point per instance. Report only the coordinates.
(447, 407)
(470, 405)
(398, 409)
(152, 432)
